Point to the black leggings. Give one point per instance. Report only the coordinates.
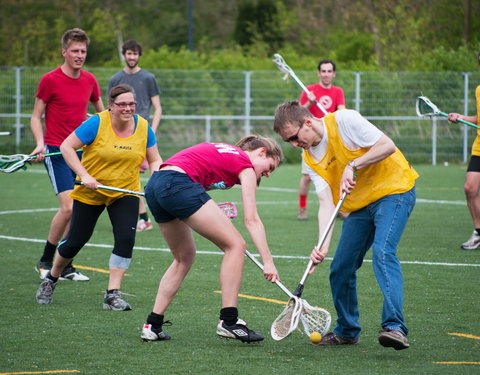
(123, 216)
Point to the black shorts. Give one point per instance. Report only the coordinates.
(173, 195)
(474, 164)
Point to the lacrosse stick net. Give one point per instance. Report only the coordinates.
(12, 163)
(229, 209)
(287, 321)
(283, 67)
(315, 319)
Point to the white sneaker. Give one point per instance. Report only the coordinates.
(143, 225)
(42, 268)
(473, 242)
(150, 333)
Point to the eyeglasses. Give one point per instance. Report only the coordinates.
(124, 105)
(294, 138)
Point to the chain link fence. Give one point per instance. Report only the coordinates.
(200, 105)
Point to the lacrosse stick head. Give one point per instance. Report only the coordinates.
(314, 319)
(282, 65)
(425, 107)
(288, 319)
(12, 163)
(229, 209)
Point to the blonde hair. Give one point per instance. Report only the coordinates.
(290, 113)
(253, 142)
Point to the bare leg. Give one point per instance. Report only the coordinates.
(61, 221)
(116, 276)
(59, 264)
(471, 188)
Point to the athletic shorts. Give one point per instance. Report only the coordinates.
(61, 176)
(474, 164)
(173, 195)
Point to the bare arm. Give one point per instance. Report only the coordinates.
(98, 105)
(154, 159)
(37, 128)
(380, 150)
(325, 212)
(68, 148)
(253, 223)
(157, 112)
(454, 117)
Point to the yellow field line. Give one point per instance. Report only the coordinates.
(257, 298)
(457, 363)
(39, 372)
(464, 335)
(92, 269)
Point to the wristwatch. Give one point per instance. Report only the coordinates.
(352, 165)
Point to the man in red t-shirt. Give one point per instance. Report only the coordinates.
(332, 99)
(62, 96)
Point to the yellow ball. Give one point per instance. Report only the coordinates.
(315, 337)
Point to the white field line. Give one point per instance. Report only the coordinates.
(167, 250)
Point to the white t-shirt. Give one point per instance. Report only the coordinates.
(356, 132)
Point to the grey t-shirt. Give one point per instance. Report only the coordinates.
(145, 86)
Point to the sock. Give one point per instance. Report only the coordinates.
(302, 201)
(229, 315)
(48, 252)
(111, 290)
(49, 276)
(144, 216)
(155, 320)
(478, 231)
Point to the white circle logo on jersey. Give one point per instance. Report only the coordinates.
(326, 101)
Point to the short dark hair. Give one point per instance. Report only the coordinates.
(74, 35)
(119, 90)
(131, 45)
(327, 61)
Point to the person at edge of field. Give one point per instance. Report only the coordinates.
(148, 96)
(349, 155)
(177, 198)
(63, 95)
(332, 98)
(472, 178)
(115, 143)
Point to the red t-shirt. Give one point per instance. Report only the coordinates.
(330, 99)
(213, 165)
(66, 101)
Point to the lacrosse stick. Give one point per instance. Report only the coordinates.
(314, 319)
(12, 163)
(228, 209)
(111, 188)
(282, 65)
(299, 290)
(425, 107)
(5, 133)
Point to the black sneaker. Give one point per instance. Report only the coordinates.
(149, 333)
(238, 331)
(71, 273)
(42, 268)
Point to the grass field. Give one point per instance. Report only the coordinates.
(75, 335)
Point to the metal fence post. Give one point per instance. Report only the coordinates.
(18, 108)
(357, 99)
(465, 112)
(434, 140)
(248, 99)
(208, 128)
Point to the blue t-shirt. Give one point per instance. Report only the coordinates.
(87, 131)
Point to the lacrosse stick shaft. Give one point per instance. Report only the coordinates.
(120, 190)
(282, 65)
(260, 265)
(299, 290)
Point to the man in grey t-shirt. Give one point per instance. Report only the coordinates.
(147, 95)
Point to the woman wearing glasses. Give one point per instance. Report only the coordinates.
(115, 142)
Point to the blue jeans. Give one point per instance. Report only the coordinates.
(379, 225)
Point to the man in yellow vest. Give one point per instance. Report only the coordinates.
(348, 154)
